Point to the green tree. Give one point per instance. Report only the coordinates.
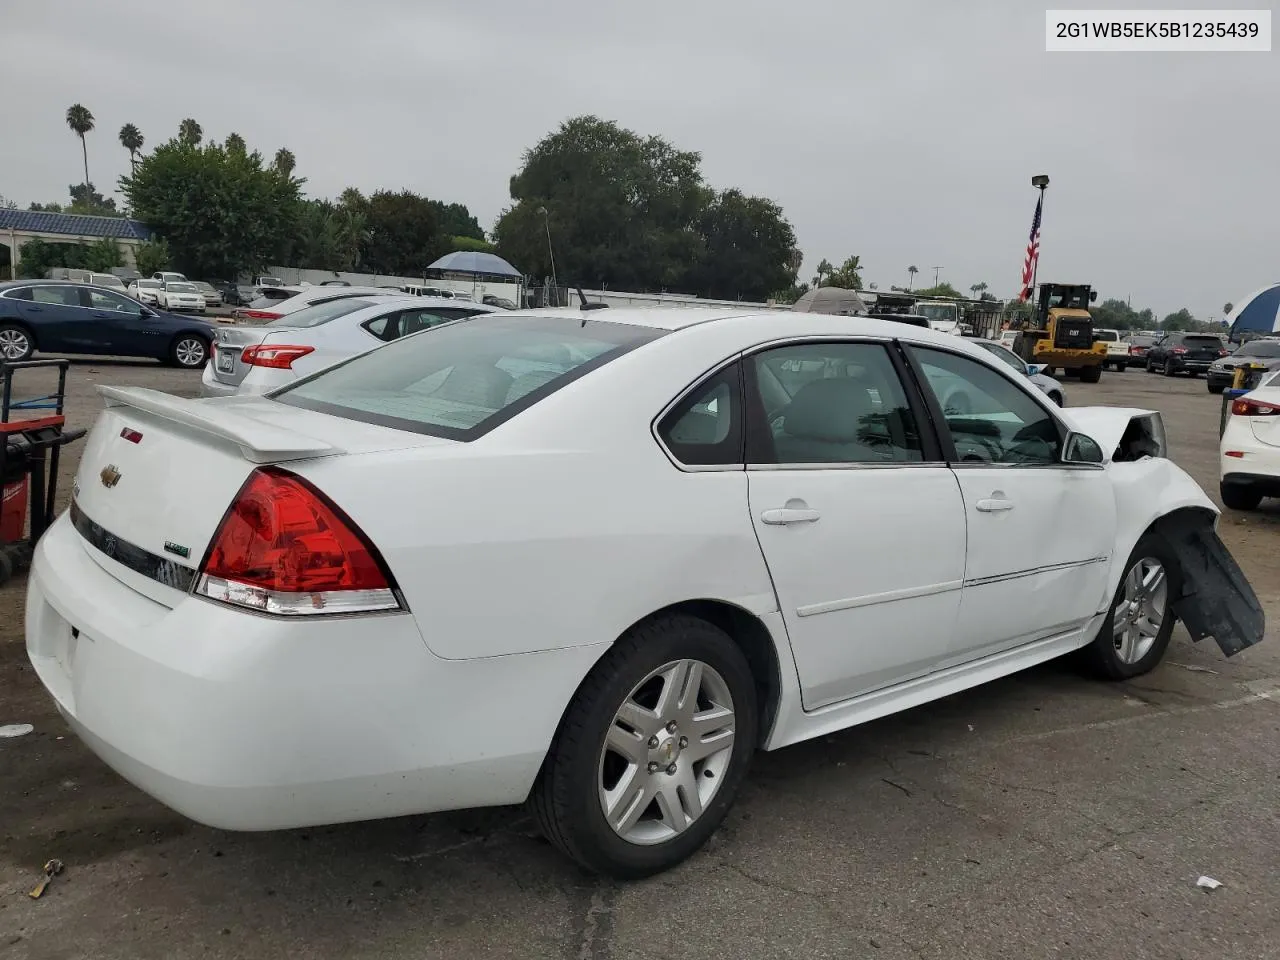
(455, 220)
(943, 289)
(747, 250)
(1114, 315)
(791, 294)
(284, 162)
(978, 289)
(235, 145)
(621, 209)
(1182, 319)
(80, 120)
(848, 275)
(328, 236)
(131, 139)
(402, 235)
(6, 203)
(190, 132)
(223, 214)
(911, 276)
(472, 244)
(88, 202)
(101, 255)
(152, 256)
(823, 270)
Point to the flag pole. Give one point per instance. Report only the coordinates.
(1041, 183)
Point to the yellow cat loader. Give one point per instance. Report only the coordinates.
(1060, 332)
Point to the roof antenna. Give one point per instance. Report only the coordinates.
(586, 305)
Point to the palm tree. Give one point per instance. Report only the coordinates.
(824, 269)
(235, 144)
(978, 289)
(131, 140)
(80, 120)
(284, 161)
(190, 132)
(911, 276)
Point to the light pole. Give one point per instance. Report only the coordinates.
(935, 276)
(1041, 183)
(546, 222)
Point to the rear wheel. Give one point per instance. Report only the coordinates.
(1091, 374)
(189, 351)
(1136, 633)
(1215, 388)
(15, 343)
(1239, 497)
(1121, 367)
(651, 750)
(1169, 371)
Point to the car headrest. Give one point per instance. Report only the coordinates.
(831, 410)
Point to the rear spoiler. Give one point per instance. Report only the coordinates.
(259, 442)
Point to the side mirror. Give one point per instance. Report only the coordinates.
(1080, 449)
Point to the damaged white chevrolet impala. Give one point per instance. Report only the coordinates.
(594, 561)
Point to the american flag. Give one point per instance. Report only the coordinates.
(1033, 252)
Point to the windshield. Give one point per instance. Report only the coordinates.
(181, 288)
(270, 282)
(1260, 348)
(1106, 336)
(1203, 342)
(150, 284)
(938, 311)
(320, 313)
(460, 380)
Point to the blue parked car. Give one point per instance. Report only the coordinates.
(54, 316)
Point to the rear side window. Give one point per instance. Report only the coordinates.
(62, 296)
(463, 379)
(706, 427)
(21, 293)
(320, 313)
(393, 326)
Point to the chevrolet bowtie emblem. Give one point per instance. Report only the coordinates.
(110, 475)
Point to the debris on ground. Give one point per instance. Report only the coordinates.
(1208, 883)
(51, 870)
(1193, 667)
(15, 729)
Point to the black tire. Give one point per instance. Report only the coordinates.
(1237, 496)
(1169, 370)
(1047, 371)
(566, 798)
(6, 566)
(182, 352)
(1090, 374)
(17, 340)
(1058, 398)
(1147, 366)
(1214, 389)
(1102, 656)
(1121, 367)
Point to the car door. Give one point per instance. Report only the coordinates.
(118, 325)
(860, 521)
(1040, 532)
(55, 314)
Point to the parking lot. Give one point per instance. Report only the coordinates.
(1045, 815)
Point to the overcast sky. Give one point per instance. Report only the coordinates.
(906, 132)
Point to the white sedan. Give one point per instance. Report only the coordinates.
(248, 359)
(180, 295)
(146, 291)
(594, 560)
(1249, 452)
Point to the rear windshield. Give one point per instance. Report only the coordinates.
(1260, 348)
(320, 313)
(1106, 336)
(461, 379)
(1203, 342)
(181, 287)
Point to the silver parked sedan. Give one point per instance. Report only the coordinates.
(1057, 393)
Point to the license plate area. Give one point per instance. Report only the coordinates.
(226, 360)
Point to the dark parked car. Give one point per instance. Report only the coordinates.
(1263, 352)
(1184, 353)
(230, 292)
(57, 317)
(1138, 347)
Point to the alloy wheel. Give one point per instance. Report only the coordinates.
(14, 344)
(666, 752)
(189, 352)
(1141, 610)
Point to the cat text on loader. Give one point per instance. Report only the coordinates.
(1060, 332)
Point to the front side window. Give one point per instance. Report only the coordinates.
(462, 380)
(705, 428)
(991, 419)
(102, 300)
(837, 403)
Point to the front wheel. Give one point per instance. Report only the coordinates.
(1136, 633)
(1169, 371)
(189, 352)
(651, 750)
(16, 343)
(1121, 367)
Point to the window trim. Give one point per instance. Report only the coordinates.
(931, 448)
(697, 384)
(944, 433)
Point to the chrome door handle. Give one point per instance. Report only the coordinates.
(994, 505)
(785, 515)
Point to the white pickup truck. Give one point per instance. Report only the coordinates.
(1117, 349)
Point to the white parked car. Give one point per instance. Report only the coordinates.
(180, 295)
(108, 280)
(169, 276)
(1032, 371)
(594, 560)
(255, 359)
(1249, 452)
(1117, 348)
(146, 291)
(272, 307)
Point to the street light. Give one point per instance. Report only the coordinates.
(546, 221)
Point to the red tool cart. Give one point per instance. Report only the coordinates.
(33, 433)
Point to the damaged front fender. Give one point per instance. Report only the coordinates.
(1217, 599)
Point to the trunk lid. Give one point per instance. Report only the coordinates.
(158, 473)
(229, 344)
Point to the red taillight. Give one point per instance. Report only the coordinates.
(1222, 353)
(1178, 350)
(285, 548)
(261, 314)
(1248, 407)
(133, 436)
(279, 356)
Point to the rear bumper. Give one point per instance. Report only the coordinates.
(245, 722)
(1266, 484)
(1191, 366)
(1220, 378)
(211, 386)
